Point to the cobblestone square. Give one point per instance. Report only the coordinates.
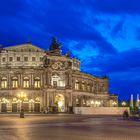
(67, 127)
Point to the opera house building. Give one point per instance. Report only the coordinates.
(36, 79)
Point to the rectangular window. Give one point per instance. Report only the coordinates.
(26, 84)
(3, 59)
(25, 58)
(83, 87)
(10, 58)
(4, 84)
(14, 83)
(33, 58)
(18, 58)
(37, 84)
(77, 85)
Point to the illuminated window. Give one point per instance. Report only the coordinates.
(4, 82)
(76, 85)
(37, 82)
(14, 82)
(26, 82)
(83, 86)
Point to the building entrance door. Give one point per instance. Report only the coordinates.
(37, 107)
(3, 107)
(14, 107)
(60, 102)
(26, 107)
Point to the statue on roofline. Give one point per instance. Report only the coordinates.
(54, 45)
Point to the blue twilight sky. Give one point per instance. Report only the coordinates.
(104, 34)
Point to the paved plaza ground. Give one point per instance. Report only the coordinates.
(67, 127)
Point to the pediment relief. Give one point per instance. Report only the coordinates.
(25, 48)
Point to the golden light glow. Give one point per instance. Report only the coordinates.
(31, 101)
(37, 82)
(37, 99)
(123, 103)
(26, 82)
(14, 82)
(60, 101)
(4, 100)
(92, 102)
(60, 104)
(22, 95)
(114, 103)
(4, 82)
(14, 99)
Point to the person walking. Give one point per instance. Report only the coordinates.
(125, 115)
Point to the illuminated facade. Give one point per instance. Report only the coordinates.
(36, 80)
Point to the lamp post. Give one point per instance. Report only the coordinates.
(124, 103)
(22, 96)
(114, 104)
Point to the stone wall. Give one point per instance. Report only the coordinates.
(100, 110)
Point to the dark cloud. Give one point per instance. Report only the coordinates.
(116, 6)
(137, 33)
(123, 61)
(117, 30)
(11, 8)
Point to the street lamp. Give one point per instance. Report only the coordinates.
(22, 96)
(114, 104)
(123, 103)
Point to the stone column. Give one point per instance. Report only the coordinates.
(32, 80)
(71, 99)
(30, 106)
(66, 79)
(0, 107)
(48, 78)
(45, 98)
(65, 96)
(41, 102)
(74, 101)
(21, 80)
(41, 80)
(53, 98)
(9, 81)
(70, 79)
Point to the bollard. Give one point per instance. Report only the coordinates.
(22, 113)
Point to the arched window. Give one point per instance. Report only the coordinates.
(14, 82)
(76, 84)
(37, 82)
(4, 82)
(26, 82)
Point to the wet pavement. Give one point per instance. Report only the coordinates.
(67, 127)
